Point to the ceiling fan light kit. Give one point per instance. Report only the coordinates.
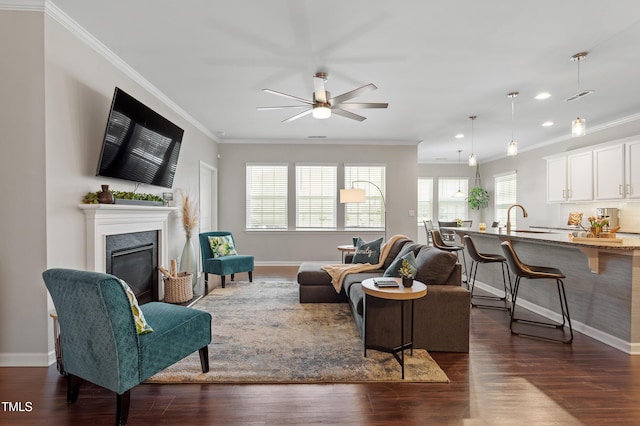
(323, 106)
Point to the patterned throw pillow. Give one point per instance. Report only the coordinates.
(142, 327)
(367, 252)
(394, 269)
(222, 246)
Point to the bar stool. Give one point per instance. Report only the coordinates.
(436, 238)
(522, 270)
(478, 258)
(428, 226)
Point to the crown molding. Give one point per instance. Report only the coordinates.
(23, 5)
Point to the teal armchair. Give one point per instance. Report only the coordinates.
(221, 263)
(100, 342)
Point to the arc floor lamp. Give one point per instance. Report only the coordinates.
(358, 195)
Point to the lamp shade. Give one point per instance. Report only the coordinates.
(353, 195)
(512, 149)
(472, 160)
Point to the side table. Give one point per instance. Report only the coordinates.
(402, 295)
(347, 248)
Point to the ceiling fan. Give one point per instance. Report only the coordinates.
(323, 105)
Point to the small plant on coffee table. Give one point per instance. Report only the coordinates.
(406, 271)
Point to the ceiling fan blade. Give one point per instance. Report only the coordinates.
(280, 107)
(319, 89)
(295, 117)
(347, 114)
(337, 100)
(284, 95)
(361, 105)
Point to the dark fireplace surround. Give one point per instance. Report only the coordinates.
(133, 257)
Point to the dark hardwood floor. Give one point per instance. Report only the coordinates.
(504, 380)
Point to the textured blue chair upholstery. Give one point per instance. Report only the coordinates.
(224, 265)
(100, 343)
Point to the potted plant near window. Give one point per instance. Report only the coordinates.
(478, 198)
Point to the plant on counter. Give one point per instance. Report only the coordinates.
(92, 197)
(598, 222)
(478, 198)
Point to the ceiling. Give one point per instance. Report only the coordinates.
(435, 62)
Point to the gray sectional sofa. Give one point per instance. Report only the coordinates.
(441, 317)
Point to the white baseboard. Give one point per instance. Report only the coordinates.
(601, 336)
(27, 359)
(292, 262)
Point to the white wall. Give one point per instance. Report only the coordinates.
(23, 298)
(58, 97)
(291, 247)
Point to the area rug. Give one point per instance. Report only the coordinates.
(262, 334)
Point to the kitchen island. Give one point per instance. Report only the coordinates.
(602, 284)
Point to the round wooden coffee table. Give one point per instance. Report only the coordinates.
(401, 294)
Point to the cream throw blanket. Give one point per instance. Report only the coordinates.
(340, 271)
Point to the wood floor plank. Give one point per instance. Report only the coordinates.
(504, 379)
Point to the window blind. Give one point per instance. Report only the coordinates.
(266, 196)
(369, 214)
(316, 195)
(449, 207)
(505, 195)
(425, 199)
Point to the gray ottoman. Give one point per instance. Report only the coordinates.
(315, 285)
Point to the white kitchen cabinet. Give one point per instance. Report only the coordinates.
(632, 183)
(580, 176)
(609, 172)
(557, 179)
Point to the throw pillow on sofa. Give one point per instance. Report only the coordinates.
(394, 269)
(367, 252)
(434, 265)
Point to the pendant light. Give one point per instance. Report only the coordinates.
(512, 148)
(472, 158)
(459, 193)
(579, 125)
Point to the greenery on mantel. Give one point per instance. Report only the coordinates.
(92, 197)
(478, 198)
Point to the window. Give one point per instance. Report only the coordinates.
(425, 199)
(316, 196)
(505, 195)
(371, 213)
(266, 194)
(449, 207)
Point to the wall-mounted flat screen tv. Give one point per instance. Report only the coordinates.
(139, 144)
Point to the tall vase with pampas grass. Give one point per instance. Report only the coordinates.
(189, 213)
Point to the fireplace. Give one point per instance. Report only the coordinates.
(133, 258)
(136, 226)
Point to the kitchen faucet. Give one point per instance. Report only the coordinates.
(524, 214)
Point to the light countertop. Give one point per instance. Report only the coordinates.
(555, 236)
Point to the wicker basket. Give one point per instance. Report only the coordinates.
(178, 290)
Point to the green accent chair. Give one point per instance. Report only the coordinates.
(223, 265)
(100, 343)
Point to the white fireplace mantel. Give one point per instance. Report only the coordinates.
(114, 219)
